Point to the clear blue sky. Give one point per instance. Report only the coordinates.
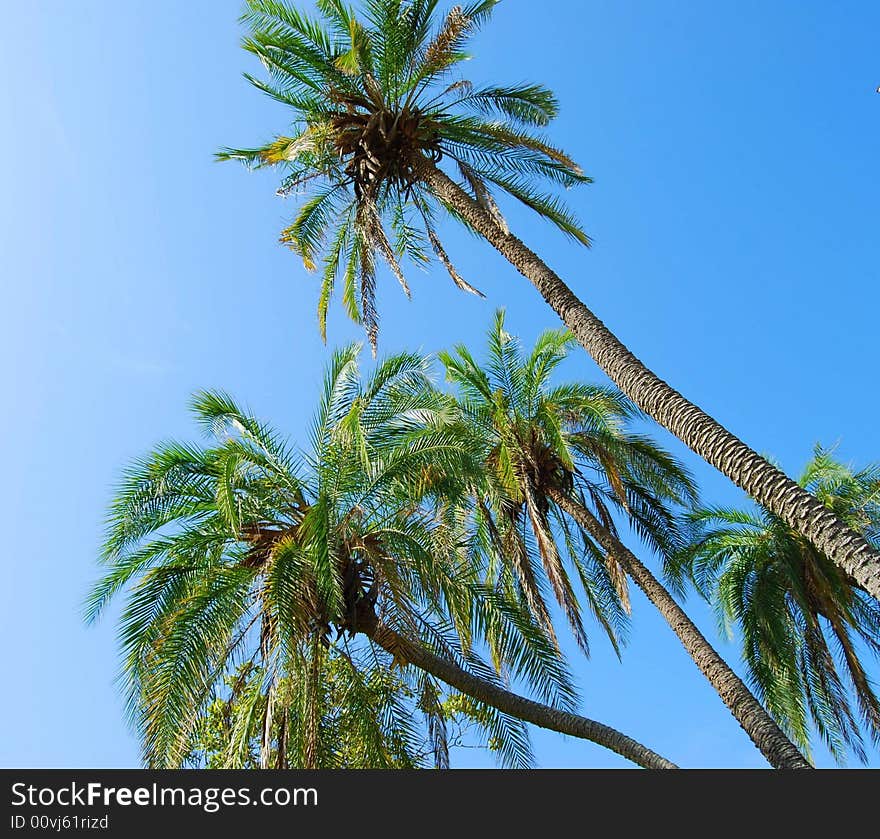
(734, 147)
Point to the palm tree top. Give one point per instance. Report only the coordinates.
(535, 436)
(376, 96)
(804, 622)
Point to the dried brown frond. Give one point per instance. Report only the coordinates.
(379, 240)
(369, 313)
(553, 566)
(483, 196)
(461, 84)
(434, 239)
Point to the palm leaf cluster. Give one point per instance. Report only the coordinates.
(376, 97)
(251, 569)
(533, 435)
(804, 624)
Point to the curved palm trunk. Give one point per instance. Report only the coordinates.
(749, 713)
(748, 470)
(510, 703)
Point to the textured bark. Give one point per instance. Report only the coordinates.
(700, 432)
(509, 703)
(780, 752)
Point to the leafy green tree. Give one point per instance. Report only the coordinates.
(364, 720)
(247, 551)
(801, 620)
(560, 462)
(369, 718)
(377, 106)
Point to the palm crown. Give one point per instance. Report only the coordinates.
(374, 97)
(802, 620)
(535, 436)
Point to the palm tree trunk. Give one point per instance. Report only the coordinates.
(524, 709)
(749, 713)
(747, 469)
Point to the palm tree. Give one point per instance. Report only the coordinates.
(801, 620)
(377, 105)
(246, 551)
(562, 459)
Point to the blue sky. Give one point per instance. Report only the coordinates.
(734, 212)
